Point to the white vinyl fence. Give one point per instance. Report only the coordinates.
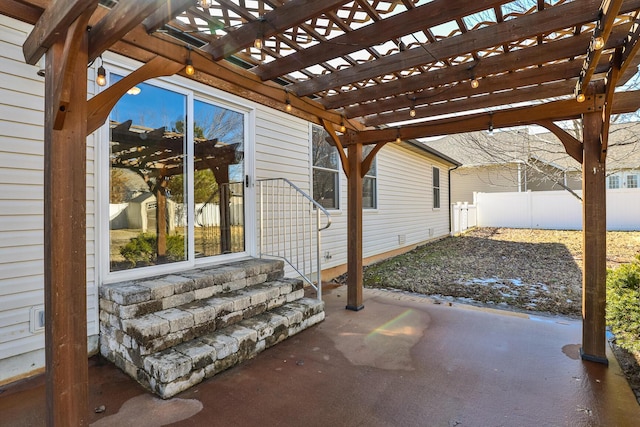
(463, 217)
(552, 210)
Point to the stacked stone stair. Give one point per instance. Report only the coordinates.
(171, 332)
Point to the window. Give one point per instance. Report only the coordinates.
(436, 188)
(613, 181)
(369, 190)
(632, 181)
(325, 169)
(176, 188)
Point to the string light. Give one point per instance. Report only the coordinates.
(258, 42)
(398, 140)
(205, 4)
(491, 124)
(412, 111)
(343, 128)
(288, 107)
(189, 67)
(580, 97)
(598, 43)
(474, 83)
(101, 78)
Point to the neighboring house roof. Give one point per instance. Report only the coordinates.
(430, 151)
(514, 146)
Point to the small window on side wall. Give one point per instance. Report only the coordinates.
(370, 182)
(436, 188)
(325, 169)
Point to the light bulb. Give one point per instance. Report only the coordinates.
(412, 112)
(581, 97)
(101, 79)
(598, 43)
(257, 43)
(189, 68)
(475, 83)
(288, 107)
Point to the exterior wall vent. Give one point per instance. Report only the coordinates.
(36, 323)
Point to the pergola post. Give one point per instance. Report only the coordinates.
(65, 243)
(354, 229)
(594, 223)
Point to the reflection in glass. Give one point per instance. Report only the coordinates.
(325, 169)
(147, 179)
(218, 180)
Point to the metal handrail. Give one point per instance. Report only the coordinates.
(286, 232)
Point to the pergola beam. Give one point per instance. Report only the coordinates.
(545, 21)
(522, 58)
(124, 16)
(290, 14)
(527, 77)
(53, 24)
(166, 13)
(486, 100)
(608, 12)
(435, 13)
(624, 102)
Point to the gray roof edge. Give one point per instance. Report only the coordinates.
(421, 146)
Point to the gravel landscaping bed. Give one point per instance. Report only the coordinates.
(512, 269)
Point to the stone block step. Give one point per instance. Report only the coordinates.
(140, 297)
(135, 337)
(173, 370)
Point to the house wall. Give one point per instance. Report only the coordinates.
(403, 219)
(21, 210)
(486, 179)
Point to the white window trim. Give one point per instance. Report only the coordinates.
(192, 90)
(339, 171)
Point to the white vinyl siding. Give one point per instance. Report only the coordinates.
(22, 204)
(404, 214)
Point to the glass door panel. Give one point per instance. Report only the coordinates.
(218, 180)
(147, 178)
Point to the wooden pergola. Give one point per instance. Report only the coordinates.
(358, 68)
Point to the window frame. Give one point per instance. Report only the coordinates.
(635, 178)
(436, 186)
(314, 168)
(193, 91)
(372, 177)
(618, 181)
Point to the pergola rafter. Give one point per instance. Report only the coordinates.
(360, 63)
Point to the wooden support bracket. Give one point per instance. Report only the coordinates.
(366, 163)
(572, 146)
(101, 104)
(328, 126)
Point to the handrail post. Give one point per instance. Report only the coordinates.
(285, 219)
(318, 249)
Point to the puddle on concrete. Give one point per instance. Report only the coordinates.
(383, 342)
(149, 411)
(572, 351)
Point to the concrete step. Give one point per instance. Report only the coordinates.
(173, 370)
(139, 297)
(170, 332)
(153, 332)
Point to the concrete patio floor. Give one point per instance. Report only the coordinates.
(402, 361)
